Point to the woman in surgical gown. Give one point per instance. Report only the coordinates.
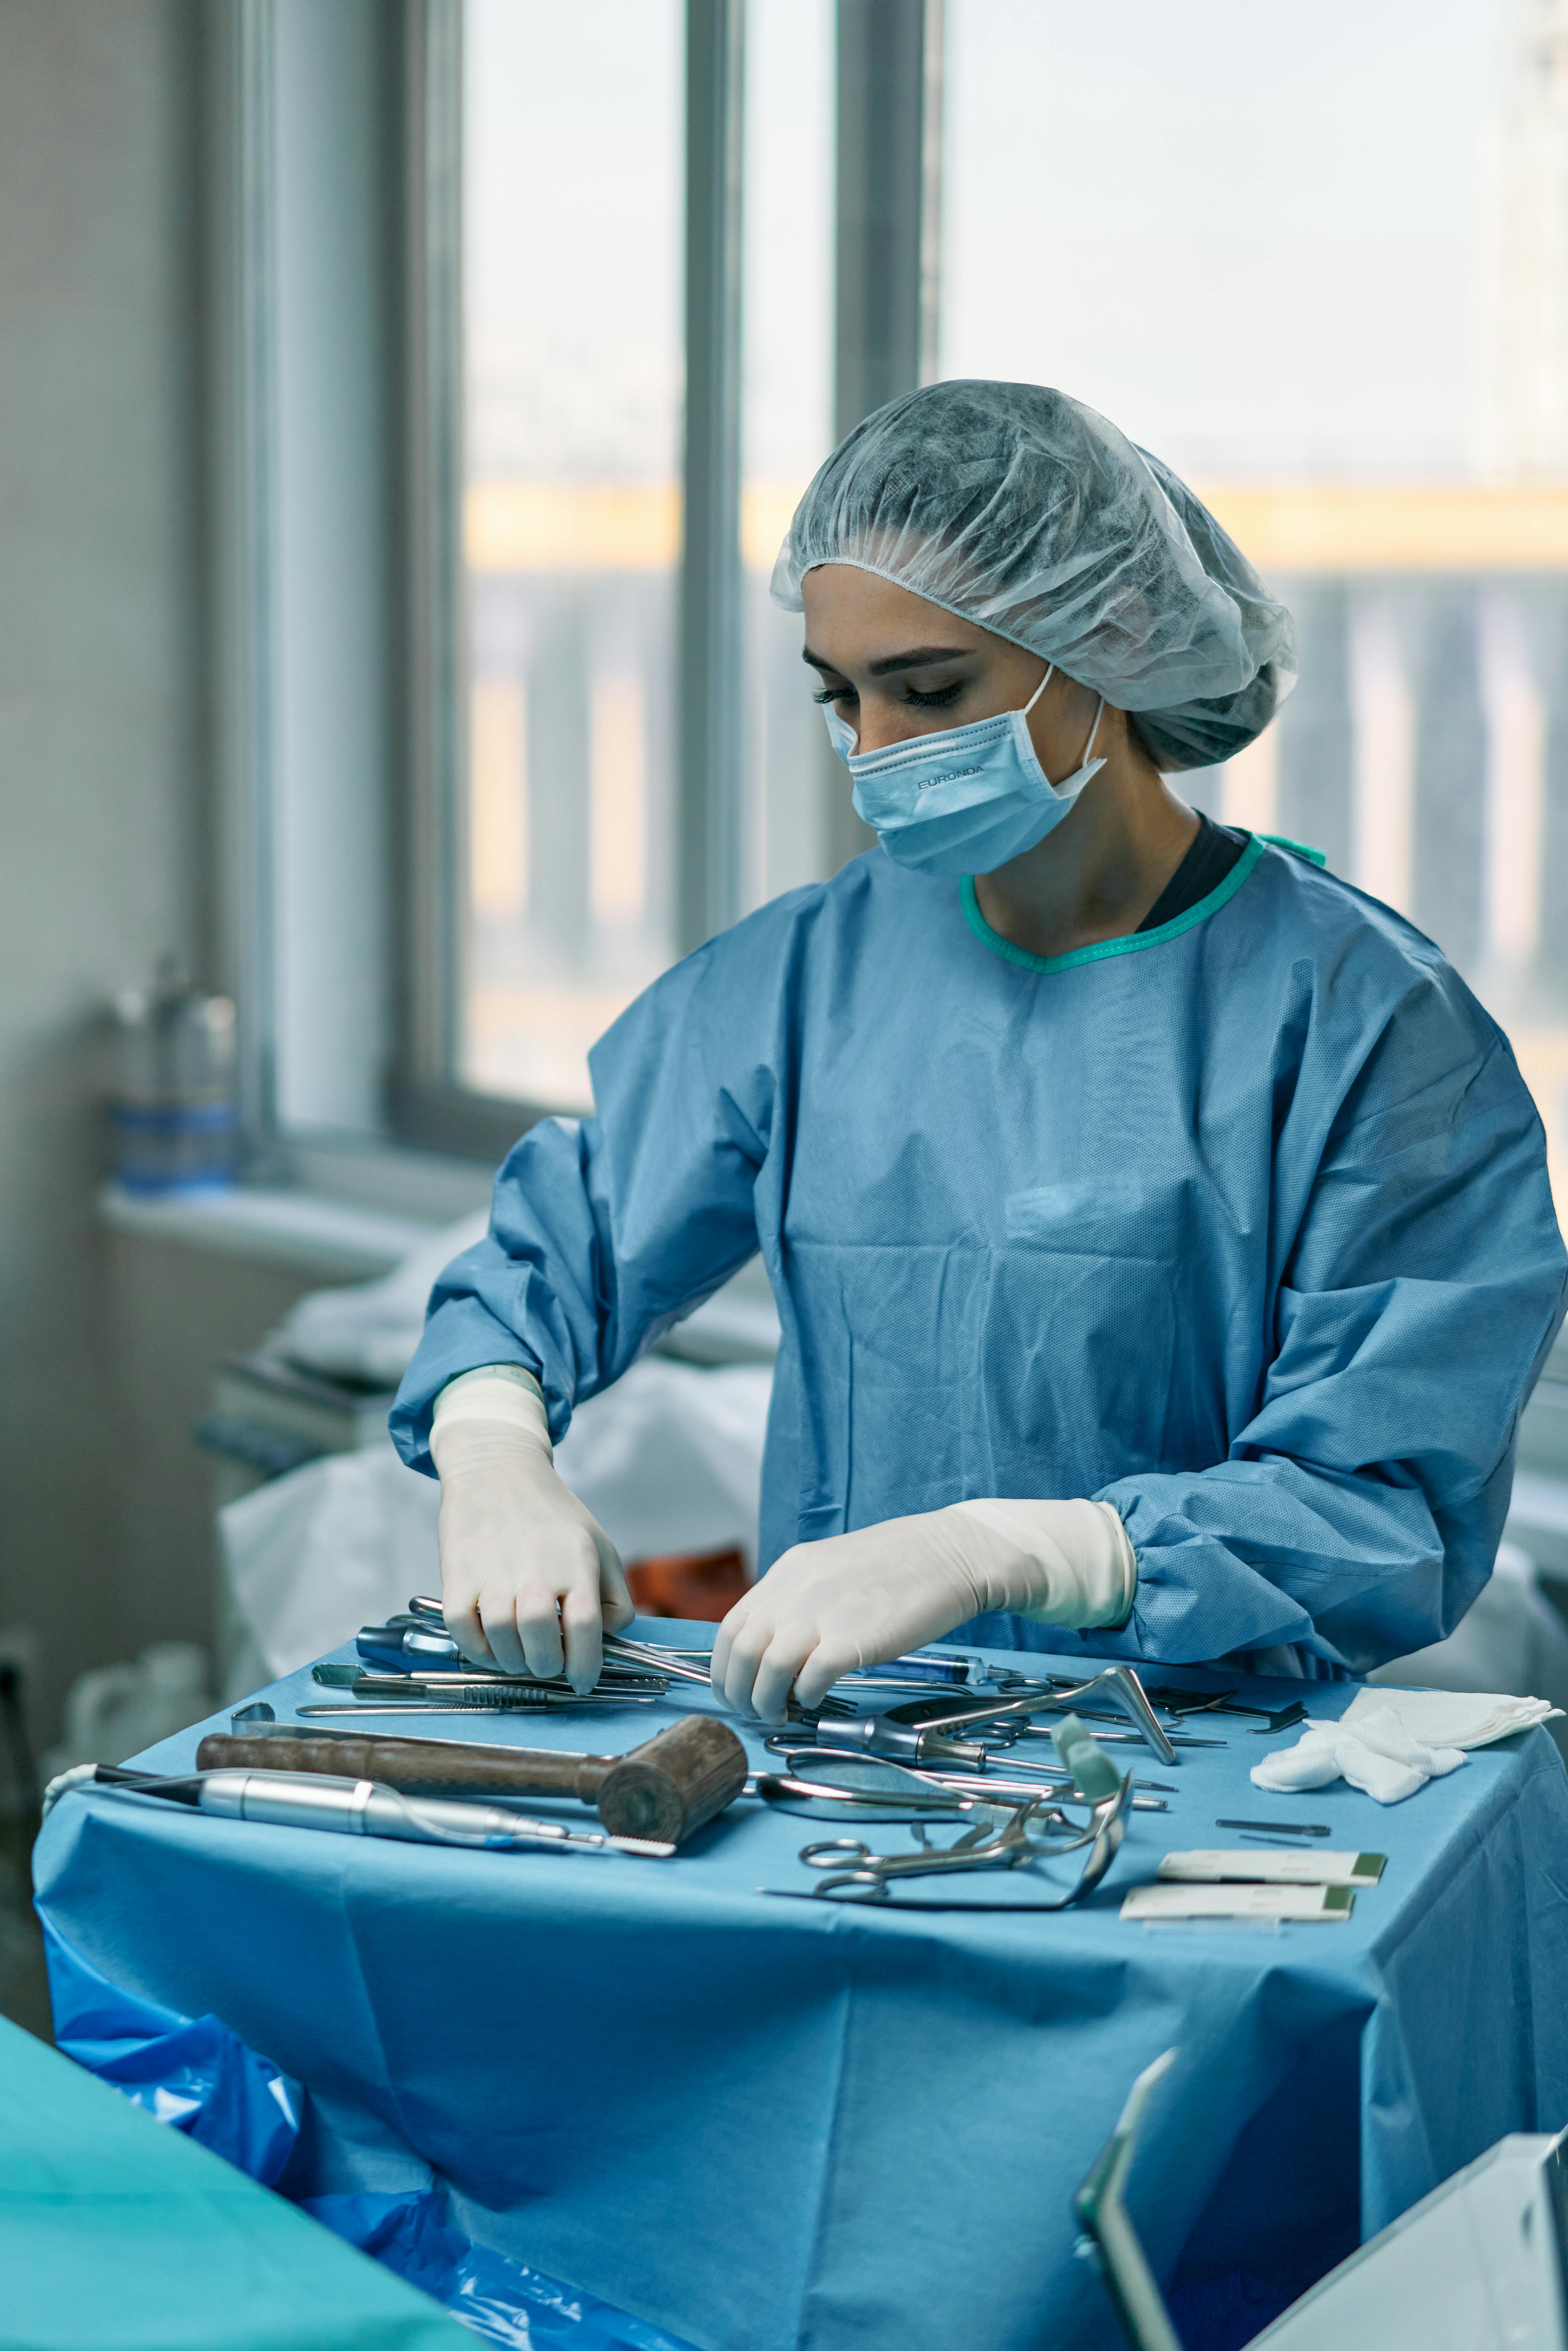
(1160, 1229)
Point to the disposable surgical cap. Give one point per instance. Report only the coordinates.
(1023, 511)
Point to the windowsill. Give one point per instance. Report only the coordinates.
(355, 1206)
(360, 1206)
(305, 1232)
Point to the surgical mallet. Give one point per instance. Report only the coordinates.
(665, 1790)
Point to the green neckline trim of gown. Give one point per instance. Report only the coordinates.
(1219, 896)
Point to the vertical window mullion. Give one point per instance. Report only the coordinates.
(433, 967)
(710, 607)
(889, 167)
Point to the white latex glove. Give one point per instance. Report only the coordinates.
(530, 1580)
(825, 1608)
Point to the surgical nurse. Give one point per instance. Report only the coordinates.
(1160, 1229)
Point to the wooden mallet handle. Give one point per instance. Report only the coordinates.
(665, 1789)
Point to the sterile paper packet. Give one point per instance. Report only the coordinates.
(1276, 1868)
(1330, 1905)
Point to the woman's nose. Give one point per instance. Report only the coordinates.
(882, 726)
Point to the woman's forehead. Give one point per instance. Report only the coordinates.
(861, 606)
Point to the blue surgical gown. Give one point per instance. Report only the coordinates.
(1242, 1225)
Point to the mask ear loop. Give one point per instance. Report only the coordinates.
(1094, 730)
(1039, 689)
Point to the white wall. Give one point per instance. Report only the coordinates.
(100, 719)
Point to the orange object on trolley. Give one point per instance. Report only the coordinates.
(699, 1586)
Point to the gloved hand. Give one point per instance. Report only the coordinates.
(530, 1579)
(825, 1608)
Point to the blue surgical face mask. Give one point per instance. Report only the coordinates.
(965, 801)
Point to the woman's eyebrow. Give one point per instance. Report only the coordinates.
(917, 658)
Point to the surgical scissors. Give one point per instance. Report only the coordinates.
(857, 1875)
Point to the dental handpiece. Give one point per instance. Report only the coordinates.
(365, 1808)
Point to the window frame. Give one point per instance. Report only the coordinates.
(886, 240)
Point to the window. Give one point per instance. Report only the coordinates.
(1318, 269)
(568, 852)
(572, 368)
(1320, 275)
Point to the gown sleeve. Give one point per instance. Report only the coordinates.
(605, 1231)
(1358, 1510)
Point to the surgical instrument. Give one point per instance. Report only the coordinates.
(650, 1656)
(1096, 1783)
(916, 1672)
(484, 1689)
(666, 1789)
(1274, 1720)
(649, 1653)
(1117, 1682)
(847, 1771)
(890, 1800)
(1279, 1828)
(363, 1808)
(917, 1733)
(409, 1648)
(901, 1742)
(1284, 1719)
(1120, 1737)
(987, 1845)
(421, 1697)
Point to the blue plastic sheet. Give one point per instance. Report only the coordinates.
(778, 2126)
(504, 2301)
(192, 2072)
(197, 2075)
(118, 2235)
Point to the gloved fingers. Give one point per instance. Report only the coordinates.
(725, 1638)
(828, 1661)
(778, 1672)
(617, 1607)
(463, 1624)
(537, 1614)
(733, 1679)
(497, 1606)
(582, 1631)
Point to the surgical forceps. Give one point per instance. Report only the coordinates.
(839, 1775)
(650, 1652)
(411, 1645)
(879, 1800)
(652, 1656)
(899, 1742)
(1180, 1702)
(915, 1733)
(857, 1875)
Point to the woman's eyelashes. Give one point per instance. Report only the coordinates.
(940, 698)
